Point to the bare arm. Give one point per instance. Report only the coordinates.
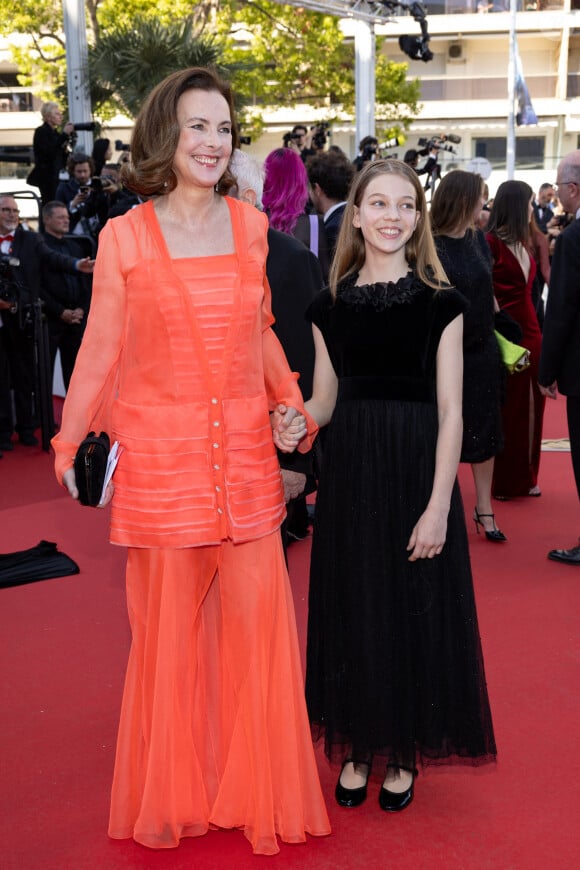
(325, 383)
(428, 536)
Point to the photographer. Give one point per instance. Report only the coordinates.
(300, 140)
(23, 253)
(83, 195)
(307, 143)
(368, 147)
(50, 151)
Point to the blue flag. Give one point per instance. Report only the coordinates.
(525, 114)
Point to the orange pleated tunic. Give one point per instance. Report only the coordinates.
(213, 729)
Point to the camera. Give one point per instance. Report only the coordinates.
(96, 184)
(121, 146)
(286, 139)
(9, 288)
(439, 143)
(290, 137)
(369, 153)
(321, 132)
(416, 47)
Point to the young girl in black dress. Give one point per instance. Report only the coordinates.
(394, 663)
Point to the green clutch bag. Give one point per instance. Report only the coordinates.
(515, 358)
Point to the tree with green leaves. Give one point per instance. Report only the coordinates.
(274, 54)
(127, 62)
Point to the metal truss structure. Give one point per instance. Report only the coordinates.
(372, 11)
(368, 13)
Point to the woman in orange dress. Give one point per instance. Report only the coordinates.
(180, 365)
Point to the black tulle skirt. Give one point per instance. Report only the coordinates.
(394, 661)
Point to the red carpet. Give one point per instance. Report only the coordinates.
(64, 644)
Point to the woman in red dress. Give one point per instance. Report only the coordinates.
(514, 270)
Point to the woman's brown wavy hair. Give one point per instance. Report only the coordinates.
(456, 198)
(156, 133)
(420, 249)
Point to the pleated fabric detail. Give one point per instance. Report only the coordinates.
(213, 729)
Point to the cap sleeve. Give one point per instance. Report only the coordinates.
(319, 309)
(449, 303)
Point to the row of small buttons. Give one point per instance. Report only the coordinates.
(217, 467)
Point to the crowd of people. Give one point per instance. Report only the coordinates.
(51, 268)
(258, 332)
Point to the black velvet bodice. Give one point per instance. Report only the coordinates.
(382, 339)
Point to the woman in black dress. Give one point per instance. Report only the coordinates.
(466, 258)
(394, 662)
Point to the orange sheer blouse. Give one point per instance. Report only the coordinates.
(199, 464)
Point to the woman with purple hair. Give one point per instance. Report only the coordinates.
(285, 197)
(285, 189)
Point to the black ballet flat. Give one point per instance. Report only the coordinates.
(495, 534)
(350, 797)
(394, 802)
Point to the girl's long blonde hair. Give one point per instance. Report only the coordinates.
(420, 250)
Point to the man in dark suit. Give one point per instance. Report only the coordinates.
(330, 175)
(560, 359)
(542, 206)
(294, 276)
(25, 251)
(66, 296)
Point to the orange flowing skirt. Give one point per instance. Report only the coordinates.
(214, 731)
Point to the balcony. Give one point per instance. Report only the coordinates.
(17, 100)
(457, 7)
(492, 87)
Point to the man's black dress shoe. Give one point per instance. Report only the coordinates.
(394, 802)
(6, 445)
(350, 797)
(28, 440)
(571, 556)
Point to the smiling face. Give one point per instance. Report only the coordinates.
(205, 140)
(387, 215)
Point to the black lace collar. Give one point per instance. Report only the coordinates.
(381, 295)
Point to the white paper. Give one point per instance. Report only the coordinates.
(112, 459)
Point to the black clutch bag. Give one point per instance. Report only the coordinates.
(90, 466)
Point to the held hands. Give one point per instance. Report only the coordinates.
(288, 428)
(428, 536)
(69, 481)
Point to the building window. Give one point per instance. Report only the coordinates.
(529, 151)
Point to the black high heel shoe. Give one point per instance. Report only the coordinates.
(350, 797)
(495, 534)
(394, 801)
